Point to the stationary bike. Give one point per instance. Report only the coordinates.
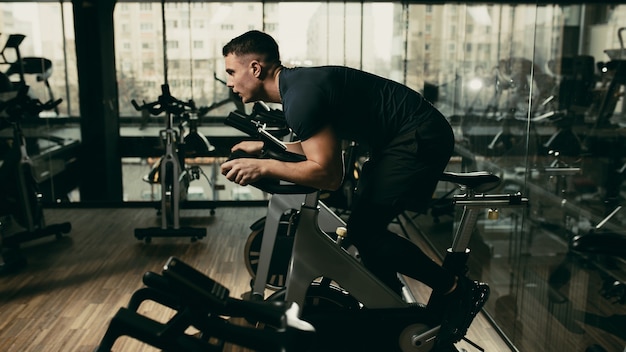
(348, 302)
(19, 189)
(278, 226)
(170, 172)
(203, 304)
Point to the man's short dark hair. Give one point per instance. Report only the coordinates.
(254, 42)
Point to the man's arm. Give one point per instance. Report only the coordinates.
(323, 168)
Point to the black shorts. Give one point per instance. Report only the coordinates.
(405, 173)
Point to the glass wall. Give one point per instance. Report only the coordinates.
(534, 93)
(37, 50)
(48, 32)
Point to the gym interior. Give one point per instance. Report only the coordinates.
(113, 91)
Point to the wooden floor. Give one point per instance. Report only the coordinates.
(64, 298)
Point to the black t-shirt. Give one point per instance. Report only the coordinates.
(360, 106)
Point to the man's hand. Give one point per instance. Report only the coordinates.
(250, 147)
(322, 169)
(243, 171)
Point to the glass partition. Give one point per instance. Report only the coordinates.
(37, 50)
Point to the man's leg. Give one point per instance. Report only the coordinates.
(393, 177)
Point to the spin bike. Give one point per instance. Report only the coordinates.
(20, 192)
(277, 227)
(170, 172)
(349, 302)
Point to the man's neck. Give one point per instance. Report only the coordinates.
(273, 86)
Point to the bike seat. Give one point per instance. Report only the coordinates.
(477, 181)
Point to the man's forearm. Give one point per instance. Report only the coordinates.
(306, 173)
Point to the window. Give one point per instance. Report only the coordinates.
(53, 41)
(148, 65)
(198, 24)
(201, 63)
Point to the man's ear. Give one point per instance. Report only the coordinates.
(257, 69)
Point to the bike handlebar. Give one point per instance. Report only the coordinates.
(273, 149)
(166, 103)
(21, 104)
(250, 126)
(265, 114)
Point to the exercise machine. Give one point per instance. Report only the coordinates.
(20, 193)
(367, 306)
(170, 171)
(349, 303)
(604, 241)
(268, 249)
(603, 247)
(205, 305)
(401, 326)
(345, 308)
(21, 66)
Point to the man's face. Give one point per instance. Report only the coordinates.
(242, 77)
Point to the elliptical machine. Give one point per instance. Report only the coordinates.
(20, 197)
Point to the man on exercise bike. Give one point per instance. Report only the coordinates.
(409, 142)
